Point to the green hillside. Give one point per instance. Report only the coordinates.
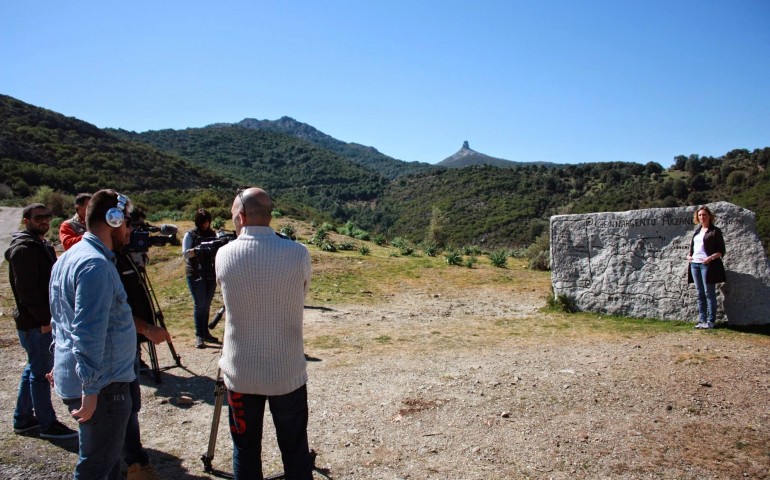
(492, 206)
(297, 173)
(365, 156)
(479, 205)
(41, 147)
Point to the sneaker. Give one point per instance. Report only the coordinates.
(58, 431)
(210, 338)
(199, 342)
(141, 472)
(700, 325)
(32, 424)
(709, 325)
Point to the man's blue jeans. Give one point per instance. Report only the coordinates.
(202, 291)
(34, 398)
(707, 293)
(290, 416)
(101, 437)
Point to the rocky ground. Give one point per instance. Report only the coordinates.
(428, 388)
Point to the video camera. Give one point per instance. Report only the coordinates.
(142, 240)
(209, 249)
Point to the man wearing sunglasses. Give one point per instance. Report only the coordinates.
(30, 260)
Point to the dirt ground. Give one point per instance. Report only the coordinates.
(439, 382)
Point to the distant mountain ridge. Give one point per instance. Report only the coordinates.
(366, 156)
(182, 170)
(466, 157)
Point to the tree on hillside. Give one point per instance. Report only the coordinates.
(437, 234)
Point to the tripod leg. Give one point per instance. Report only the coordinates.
(177, 358)
(154, 366)
(219, 398)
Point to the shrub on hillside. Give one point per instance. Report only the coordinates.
(288, 231)
(346, 245)
(399, 242)
(499, 258)
(218, 223)
(346, 229)
(319, 237)
(539, 253)
(453, 257)
(5, 191)
(55, 201)
(563, 303)
(361, 234)
(430, 249)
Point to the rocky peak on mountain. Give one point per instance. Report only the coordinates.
(466, 156)
(287, 125)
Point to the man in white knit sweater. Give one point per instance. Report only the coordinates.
(264, 280)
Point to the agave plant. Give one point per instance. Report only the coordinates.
(453, 257)
(498, 258)
(288, 231)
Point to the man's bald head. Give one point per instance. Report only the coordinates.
(254, 206)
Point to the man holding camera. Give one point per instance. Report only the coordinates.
(143, 311)
(264, 280)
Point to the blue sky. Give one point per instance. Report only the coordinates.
(559, 81)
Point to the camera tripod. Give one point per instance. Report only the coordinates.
(157, 319)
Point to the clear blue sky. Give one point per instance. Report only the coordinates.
(560, 80)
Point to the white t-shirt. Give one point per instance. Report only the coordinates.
(699, 254)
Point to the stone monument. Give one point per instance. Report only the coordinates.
(635, 264)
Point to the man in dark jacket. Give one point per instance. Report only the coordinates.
(143, 310)
(30, 259)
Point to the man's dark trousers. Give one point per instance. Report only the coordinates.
(290, 416)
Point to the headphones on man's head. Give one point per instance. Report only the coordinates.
(116, 215)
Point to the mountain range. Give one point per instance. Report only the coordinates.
(367, 156)
(468, 198)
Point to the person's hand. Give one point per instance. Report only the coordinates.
(87, 408)
(49, 376)
(707, 260)
(157, 334)
(689, 258)
(46, 328)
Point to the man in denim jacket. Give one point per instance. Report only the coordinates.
(94, 336)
